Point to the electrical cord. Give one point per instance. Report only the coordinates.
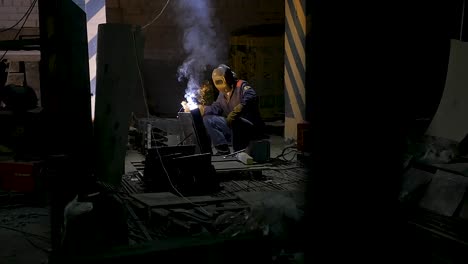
(283, 154)
(25, 14)
(292, 158)
(182, 141)
(462, 18)
(24, 233)
(141, 77)
(148, 116)
(172, 184)
(156, 18)
(36, 246)
(22, 26)
(284, 149)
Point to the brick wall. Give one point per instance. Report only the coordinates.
(163, 36)
(11, 11)
(163, 39)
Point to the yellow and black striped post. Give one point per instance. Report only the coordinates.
(294, 66)
(96, 14)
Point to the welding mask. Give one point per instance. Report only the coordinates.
(223, 78)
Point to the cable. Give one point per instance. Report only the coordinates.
(292, 158)
(182, 141)
(22, 26)
(36, 246)
(141, 77)
(462, 18)
(154, 19)
(148, 116)
(283, 154)
(23, 232)
(172, 184)
(28, 239)
(27, 11)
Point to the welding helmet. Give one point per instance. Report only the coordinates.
(223, 78)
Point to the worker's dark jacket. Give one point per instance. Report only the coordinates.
(241, 94)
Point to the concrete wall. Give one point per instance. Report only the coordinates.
(163, 52)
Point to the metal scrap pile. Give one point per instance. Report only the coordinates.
(167, 215)
(159, 216)
(434, 194)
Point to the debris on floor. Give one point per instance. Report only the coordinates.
(24, 229)
(264, 200)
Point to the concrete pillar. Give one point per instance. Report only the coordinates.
(117, 77)
(294, 66)
(64, 64)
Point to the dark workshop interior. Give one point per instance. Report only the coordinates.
(233, 131)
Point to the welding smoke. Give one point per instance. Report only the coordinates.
(201, 44)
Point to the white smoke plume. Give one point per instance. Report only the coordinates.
(200, 41)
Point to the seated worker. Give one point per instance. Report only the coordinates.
(234, 116)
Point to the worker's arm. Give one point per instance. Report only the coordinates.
(248, 99)
(215, 108)
(249, 96)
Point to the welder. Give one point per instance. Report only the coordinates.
(234, 118)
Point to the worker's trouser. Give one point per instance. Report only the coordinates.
(239, 134)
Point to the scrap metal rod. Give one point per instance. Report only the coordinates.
(137, 220)
(234, 153)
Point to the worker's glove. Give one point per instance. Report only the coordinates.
(235, 113)
(185, 106)
(202, 109)
(206, 94)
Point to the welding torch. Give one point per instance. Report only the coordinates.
(234, 153)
